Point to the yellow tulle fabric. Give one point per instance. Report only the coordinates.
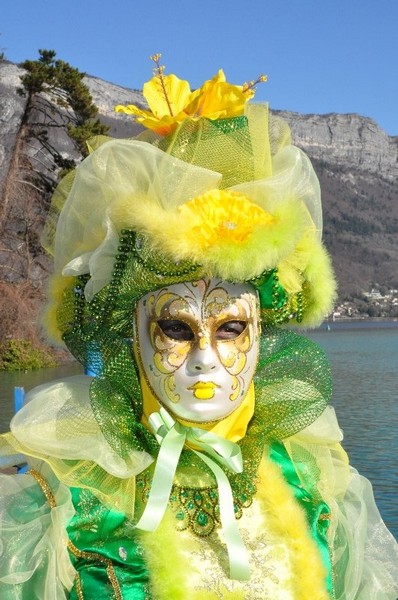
(68, 438)
(34, 560)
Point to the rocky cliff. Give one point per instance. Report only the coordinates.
(346, 141)
(12, 108)
(356, 161)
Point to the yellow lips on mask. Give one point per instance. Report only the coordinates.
(203, 390)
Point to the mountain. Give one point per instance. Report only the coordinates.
(357, 165)
(356, 162)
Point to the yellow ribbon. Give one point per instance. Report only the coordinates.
(172, 437)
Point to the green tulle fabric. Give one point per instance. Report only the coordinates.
(225, 144)
(292, 386)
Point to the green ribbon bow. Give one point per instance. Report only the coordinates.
(172, 437)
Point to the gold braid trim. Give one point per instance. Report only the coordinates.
(45, 488)
(78, 587)
(93, 556)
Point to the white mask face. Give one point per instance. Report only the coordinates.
(197, 346)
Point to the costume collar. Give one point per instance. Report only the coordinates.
(232, 428)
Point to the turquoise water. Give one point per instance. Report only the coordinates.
(27, 380)
(364, 364)
(364, 360)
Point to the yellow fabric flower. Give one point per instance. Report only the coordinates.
(171, 101)
(222, 216)
(218, 99)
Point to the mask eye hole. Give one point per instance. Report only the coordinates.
(230, 330)
(176, 329)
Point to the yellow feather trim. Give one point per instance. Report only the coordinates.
(320, 289)
(288, 522)
(224, 231)
(56, 288)
(168, 566)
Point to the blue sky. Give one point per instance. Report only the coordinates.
(320, 56)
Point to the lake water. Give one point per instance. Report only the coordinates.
(364, 359)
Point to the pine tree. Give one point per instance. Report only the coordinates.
(59, 116)
(56, 92)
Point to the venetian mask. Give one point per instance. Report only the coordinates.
(197, 345)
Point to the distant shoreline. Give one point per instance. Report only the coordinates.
(366, 323)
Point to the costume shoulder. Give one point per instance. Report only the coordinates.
(33, 537)
(57, 426)
(364, 552)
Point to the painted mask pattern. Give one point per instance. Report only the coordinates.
(197, 346)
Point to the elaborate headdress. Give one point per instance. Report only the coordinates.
(213, 188)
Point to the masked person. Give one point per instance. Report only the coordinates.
(201, 461)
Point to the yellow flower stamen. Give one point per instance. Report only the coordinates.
(250, 86)
(159, 73)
